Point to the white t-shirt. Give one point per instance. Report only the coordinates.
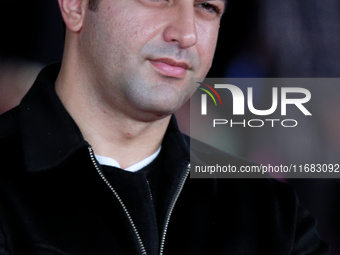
(134, 168)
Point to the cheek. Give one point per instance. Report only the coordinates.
(206, 48)
(135, 25)
(207, 38)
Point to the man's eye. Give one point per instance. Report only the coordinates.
(209, 8)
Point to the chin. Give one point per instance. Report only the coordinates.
(158, 111)
(164, 110)
(162, 100)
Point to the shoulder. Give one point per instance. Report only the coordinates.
(10, 141)
(261, 211)
(9, 123)
(254, 192)
(9, 131)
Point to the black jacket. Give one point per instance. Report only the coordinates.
(56, 199)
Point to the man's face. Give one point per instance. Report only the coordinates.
(143, 54)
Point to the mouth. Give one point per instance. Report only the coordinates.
(170, 68)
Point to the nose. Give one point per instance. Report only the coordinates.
(182, 28)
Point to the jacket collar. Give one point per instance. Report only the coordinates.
(50, 135)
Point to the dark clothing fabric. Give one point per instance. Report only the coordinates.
(55, 198)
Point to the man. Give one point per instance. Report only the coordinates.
(93, 163)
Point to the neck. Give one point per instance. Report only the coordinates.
(110, 132)
(126, 140)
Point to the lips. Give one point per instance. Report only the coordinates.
(170, 68)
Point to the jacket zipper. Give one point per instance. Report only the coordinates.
(169, 211)
(149, 188)
(172, 205)
(139, 239)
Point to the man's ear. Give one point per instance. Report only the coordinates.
(73, 13)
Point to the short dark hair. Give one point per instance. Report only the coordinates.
(93, 5)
